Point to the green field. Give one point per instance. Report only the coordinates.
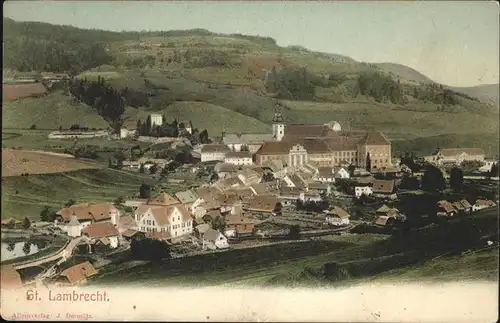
(206, 116)
(431, 253)
(49, 112)
(25, 196)
(38, 139)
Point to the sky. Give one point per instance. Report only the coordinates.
(454, 43)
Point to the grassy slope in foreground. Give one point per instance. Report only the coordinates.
(364, 256)
(35, 191)
(50, 112)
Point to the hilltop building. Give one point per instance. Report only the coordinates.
(156, 119)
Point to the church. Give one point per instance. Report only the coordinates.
(321, 145)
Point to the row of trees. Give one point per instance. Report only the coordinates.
(294, 85)
(381, 87)
(108, 102)
(312, 206)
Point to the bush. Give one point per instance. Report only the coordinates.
(33, 127)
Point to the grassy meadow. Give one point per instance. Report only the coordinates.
(25, 196)
(51, 111)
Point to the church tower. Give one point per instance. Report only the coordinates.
(278, 123)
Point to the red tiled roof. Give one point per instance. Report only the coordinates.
(86, 211)
(79, 272)
(163, 199)
(275, 148)
(239, 154)
(99, 230)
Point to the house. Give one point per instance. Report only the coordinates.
(482, 204)
(384, 221)
(126, 133)
(188, 198)
(325, 175)
(131, 164)
(130, 234)
(172, 219)
(362, 190)
(466, 205)
(156, 119)
(237, 142)
(103, 232)
(487, 165)
(455, 156)
(446, 208)
(211, 152)
(238, 225)
(77, 217)
(10, 278)
(76, 275)
(249, 176)
(265, 204)
(341, 173)
(11, 223)
(228, 183)
(73, 227)
(337, 216)
(213, 239)
(458, 206)
(384, 188)
(126, 222)
(321, 188)
(163, 199)
(238, 158)
(391, 212)
(225, 170)
(261, 188)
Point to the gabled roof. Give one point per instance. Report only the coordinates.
(293, 131)
(458, 205)
(263, 203)
(375, 138)
(452, 152)
(163, 199)
(162, 214)
(466, 204)
(86, 211)
(215, 148)
(211, 235)
(383, 186)
(129, 233)
(79, 272)
(447, 206)
(260, 188)
(188, 196)
(275, 148)
(202, 228)
(339, 212)
(99, 230)
(126, 221)
(384, 220)
(383, 209)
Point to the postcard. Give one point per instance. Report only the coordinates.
(274, 161)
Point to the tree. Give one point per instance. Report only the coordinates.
(351, 170)
(268, 177)
(27, 247)
(33, 127)
(433, 179)
(214, 178)
(70, 203)
(11, 246)
(26, 223)
(456, 179)
(144, 191)
(149, 249)
(47, 214)
(153, 169)
(119, 200)
(294, 232)
(368, 162)
(219, 223)
(494, 170)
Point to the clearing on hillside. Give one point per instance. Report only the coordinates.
(17, 162)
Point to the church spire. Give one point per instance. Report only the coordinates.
(278, 117)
